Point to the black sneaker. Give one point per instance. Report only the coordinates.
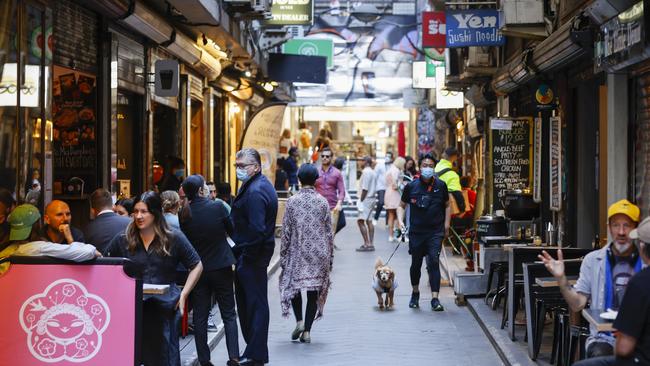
(415, 299)
(436, 305)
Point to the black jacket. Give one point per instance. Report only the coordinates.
(103, 229)
(206, 230)
(253, 214)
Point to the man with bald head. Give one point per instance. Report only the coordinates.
(57, 228)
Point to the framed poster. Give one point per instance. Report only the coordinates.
(537, 161)
(555, 166)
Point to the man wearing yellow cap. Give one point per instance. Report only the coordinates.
(604, 273)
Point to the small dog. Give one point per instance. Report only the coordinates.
(383, 282)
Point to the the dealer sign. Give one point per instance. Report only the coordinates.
(474, 28)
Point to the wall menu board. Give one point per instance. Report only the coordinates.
(74, 143)
(555, 172)
(511, 155)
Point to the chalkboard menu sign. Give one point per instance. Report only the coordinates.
(511, 156)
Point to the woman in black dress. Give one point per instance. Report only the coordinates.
(157, 250)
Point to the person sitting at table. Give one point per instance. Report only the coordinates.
(57, 224)
(633, 320)
(152, 246)
(604, 274)
(25, 240)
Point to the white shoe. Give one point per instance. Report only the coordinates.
(391, 239)
(374, 222)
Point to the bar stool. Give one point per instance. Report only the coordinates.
(501, 269)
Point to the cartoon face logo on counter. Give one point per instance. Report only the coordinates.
(64, 322)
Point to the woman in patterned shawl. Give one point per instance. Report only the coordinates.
(306, 253)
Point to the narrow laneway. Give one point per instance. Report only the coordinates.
(355, 332)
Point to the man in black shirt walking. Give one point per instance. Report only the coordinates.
(428, 200)
(633, 320)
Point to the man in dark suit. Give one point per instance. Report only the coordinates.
(205, 223)
(253, 214)
(106, 224)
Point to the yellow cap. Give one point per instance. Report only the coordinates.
(626, 208)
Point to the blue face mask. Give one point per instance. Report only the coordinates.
(179, 173)
(426, 172)
(242, 174)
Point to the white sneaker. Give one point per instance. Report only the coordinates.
(374, 222)
(391, 239)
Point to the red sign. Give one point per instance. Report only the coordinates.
(67, 314)
(434, 29)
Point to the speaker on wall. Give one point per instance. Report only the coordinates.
(297, 68)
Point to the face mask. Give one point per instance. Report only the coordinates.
(388, 160)
(242, 174)
(426, 173)
(179, 173)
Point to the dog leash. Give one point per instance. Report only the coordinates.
(397, 247)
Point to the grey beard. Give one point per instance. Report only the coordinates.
(622, 248)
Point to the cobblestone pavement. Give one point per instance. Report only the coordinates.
(354, 331)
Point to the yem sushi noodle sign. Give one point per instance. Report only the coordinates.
(474, 28)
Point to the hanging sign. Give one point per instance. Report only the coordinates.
(420, 76)
(555, 152)
(537, 162)
(434, 57)
(433, 29)
(311, 47)
(473, 28)
(544, 98)
(291, 12)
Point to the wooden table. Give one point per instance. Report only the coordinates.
(151, 289)
(593, 317)
(552, 282)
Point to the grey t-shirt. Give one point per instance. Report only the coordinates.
(622, 272)
(369, 182)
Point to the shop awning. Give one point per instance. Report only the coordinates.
(563, 46)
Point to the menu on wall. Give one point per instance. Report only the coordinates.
(511, 156)
(74, 143)
(555, 172)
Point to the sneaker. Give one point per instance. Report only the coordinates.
(415, 299)
(212, 327)
(297, 332)
(391, 239)
(374, 222)
(436, 305)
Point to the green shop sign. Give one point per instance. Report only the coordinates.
(434, 57)
(311, 47)
(291, 12)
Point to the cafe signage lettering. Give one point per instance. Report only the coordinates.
(555, 152)
(473, 28)
(511, 156)
(291, 12)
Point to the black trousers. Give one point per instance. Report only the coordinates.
(380, 203)
(220, 282)
(251, 285)
(429, 246)
(310, 311)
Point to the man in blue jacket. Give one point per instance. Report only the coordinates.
(253, 215)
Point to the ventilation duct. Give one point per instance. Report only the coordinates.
(144, 20)
(559, 49)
